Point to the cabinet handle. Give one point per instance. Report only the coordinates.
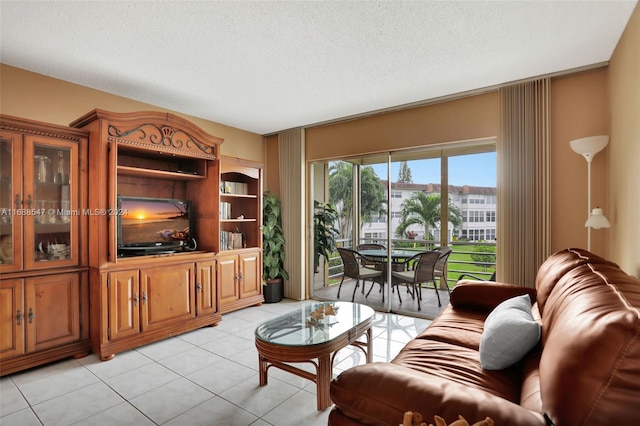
(29, 201)
(199, 286)
(19, 317)
(240, 276)
(31, 315)
(135, 299)
(144, 297)
(18, 201)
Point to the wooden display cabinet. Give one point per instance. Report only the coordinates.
(43, 246)
(240, 253)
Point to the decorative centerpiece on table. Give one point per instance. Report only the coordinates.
(323, 315)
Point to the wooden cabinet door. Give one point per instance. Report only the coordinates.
(52, 235)
(227, 276)
(11, 319)
(52, 310)
(250, 278)
(168, 295)
(12, 208)
(124, 304)
(206, 291)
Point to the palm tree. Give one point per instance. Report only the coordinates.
(372, 194)
(424, 209)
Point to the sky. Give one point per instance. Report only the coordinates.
(472, 170)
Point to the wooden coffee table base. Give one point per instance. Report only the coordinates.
(273, 355)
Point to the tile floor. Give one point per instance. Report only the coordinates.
(205, 377)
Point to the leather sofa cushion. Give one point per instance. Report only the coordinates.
(456, 326)
(590, 364)
(429, 359)
(380, 393)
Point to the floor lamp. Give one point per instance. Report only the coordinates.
(588, 148)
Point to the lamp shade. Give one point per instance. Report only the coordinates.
(590, 146)
(597, 220)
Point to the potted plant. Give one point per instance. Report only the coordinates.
(325, 234)
(273, 252)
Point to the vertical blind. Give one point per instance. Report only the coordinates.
(292, 190)
(524, 229)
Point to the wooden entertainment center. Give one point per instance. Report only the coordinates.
(140, 299)
(125, 301)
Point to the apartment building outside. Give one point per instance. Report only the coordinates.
(476, 203)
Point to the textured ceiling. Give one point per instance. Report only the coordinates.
(268, 66)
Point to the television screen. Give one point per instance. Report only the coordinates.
(153, 223)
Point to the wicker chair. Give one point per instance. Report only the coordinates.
(353, 268)
(441, 265)
(420, 269)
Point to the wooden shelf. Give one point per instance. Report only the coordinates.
(238, 220)
(222, 194)
(160, 174)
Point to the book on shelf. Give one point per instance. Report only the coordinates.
(225, 210)
(239, 188)
(231, 240)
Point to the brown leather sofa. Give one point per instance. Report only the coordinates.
(585, 370)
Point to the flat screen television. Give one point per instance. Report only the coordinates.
(153, 225)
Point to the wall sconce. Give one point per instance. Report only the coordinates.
(588, 148)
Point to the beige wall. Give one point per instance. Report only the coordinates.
(38, 97)
(462, 119)
(579, 108)
(623, 209)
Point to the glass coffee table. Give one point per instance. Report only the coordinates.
(315, 331)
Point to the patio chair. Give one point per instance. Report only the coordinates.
(371, 263)
(351, 260)
(441, 266)
(420, 269)
(371, 246)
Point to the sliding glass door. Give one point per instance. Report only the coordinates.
(355, 192)
(407, 202)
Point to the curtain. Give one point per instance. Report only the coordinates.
(524, 229)
(292, 190)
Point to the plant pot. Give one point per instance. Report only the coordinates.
(273, 290)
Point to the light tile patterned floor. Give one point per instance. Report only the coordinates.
(205, 377)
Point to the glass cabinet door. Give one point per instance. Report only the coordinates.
(10, 201)
(51, 185)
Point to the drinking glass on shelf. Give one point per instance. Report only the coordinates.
(41, 211)
(52, 211)
(60, 172)
(64, 207)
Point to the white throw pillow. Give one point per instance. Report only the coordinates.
(509, 333)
